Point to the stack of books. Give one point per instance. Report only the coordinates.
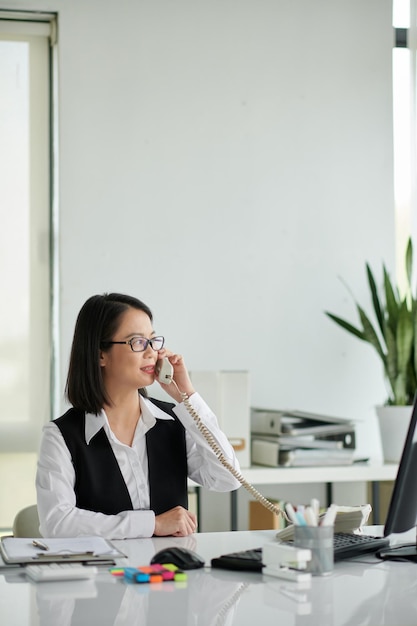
(297, 438)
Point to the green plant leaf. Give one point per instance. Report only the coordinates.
(394, 337)
(375, 298)
(400, 396)
(392, 305)
(351, 329)
(411, 381)
(370, 333)
(409, 262)
(391, 367)
(404, 338)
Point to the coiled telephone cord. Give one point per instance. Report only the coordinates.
(219, 453)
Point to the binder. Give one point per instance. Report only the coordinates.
(296, 423)
(270, 453)
(299, 438)
(21, 550)
(328, 442)
(301, 457)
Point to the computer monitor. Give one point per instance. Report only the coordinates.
(402, 511)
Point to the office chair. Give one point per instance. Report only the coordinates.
(26, 522)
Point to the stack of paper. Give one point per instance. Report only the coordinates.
(298, 438)
(348, 519)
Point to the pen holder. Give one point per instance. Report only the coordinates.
(319, 539)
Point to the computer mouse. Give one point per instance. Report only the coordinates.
(181, 557)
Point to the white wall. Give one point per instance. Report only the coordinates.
(225, 161)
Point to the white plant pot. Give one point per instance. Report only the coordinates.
(393, 426)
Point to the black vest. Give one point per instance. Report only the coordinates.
(99, 484)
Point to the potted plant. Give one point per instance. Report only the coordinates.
(393, 334)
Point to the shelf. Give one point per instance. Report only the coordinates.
(358, 472)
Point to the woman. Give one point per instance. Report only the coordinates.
(116, 463)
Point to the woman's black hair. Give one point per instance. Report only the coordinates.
(96, 324)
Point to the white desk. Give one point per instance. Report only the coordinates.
(360, 472)
(368, 592)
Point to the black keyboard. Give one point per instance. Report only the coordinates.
(346, 546)
(247, 560)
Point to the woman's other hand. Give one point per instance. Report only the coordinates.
(177, 522)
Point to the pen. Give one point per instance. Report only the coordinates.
(315, 505)
(39, 544)
(291, 513)
(300, 517)
(309, 517)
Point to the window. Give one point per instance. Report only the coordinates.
(25, 250)
(403, 68)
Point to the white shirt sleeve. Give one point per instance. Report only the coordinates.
(55, 479)
(203, 465)
(58, 514)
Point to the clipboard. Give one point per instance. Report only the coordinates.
(19, 550)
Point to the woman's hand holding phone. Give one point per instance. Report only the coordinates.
(180, 375)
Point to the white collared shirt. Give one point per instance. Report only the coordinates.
(55, 478)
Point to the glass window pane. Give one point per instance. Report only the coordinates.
(402, 112)
(401, 13)
(25, 354)
(14, 236)
(25, 330)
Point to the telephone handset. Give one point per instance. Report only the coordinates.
(165, 373)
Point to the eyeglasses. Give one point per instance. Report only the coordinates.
(139, 344)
